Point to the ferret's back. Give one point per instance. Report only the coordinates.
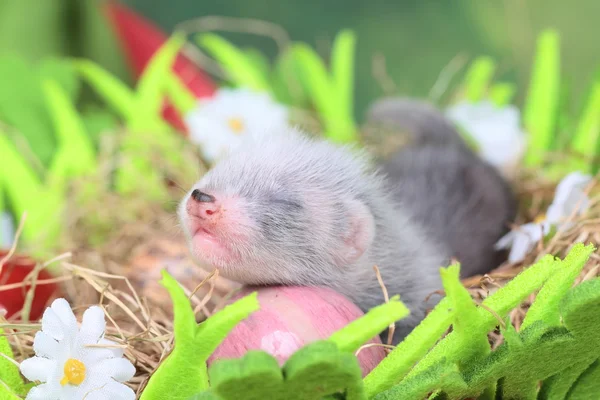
(454, 195)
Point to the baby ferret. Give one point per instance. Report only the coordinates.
(288, 209)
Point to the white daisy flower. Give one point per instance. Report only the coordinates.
(569, 199)
(496, 131)
(219, 123)
(7, 230)
(69, 368)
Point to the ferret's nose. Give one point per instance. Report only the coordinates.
(202, 197)
(201, 205)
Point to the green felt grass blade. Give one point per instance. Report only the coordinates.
(323, 93)
(241, 70)
(557, 386)
(441, 374)
(471, 339)
(545, 306)
(587, 134)
(183, 99)
(342, 69)
(478, 78)
(397, 364)
(543, 97)
(259, 61)
(501, 302)
(317, 371)
(502, 93)
(23, 190)
(150, 89)
(315, 76)
(587, 386)
(363, 329)
(193, 344)
(120, 97)
(9, 373)
(75, 154)
(289, 86)
(23, 109)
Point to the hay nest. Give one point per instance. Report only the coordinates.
(122, 277)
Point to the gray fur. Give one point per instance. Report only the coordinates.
(304, 196)
(460, 199)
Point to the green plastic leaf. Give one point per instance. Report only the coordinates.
(194, 343)
(478, 78)
(588, 130)
(241, 70)
(363, 329)
(543, 97)
(9, 373)
(314, 372)
(502, 93)
(397, 364)
(545, 306)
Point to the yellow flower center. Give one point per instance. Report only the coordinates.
(74, 372)
(540, 218)
(236, 125)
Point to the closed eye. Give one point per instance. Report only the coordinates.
(287, 203)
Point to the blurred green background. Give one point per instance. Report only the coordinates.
(416, 38)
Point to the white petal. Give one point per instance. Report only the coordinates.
(37, 368)
(569, 197)
(505, 241)
(93, 355)
(118, 368)
(52, 325)
(58, 320)
(116, 351)
(44, 392)
(92, 325)
(113, 391)
(45, 346)
(63, 310)
(525, 240)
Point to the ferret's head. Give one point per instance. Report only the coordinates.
(283, 210)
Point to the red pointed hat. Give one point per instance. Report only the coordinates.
(140, 39)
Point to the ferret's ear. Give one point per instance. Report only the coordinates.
(359, 234)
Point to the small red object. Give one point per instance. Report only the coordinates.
(15, 271)
(140, 39)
